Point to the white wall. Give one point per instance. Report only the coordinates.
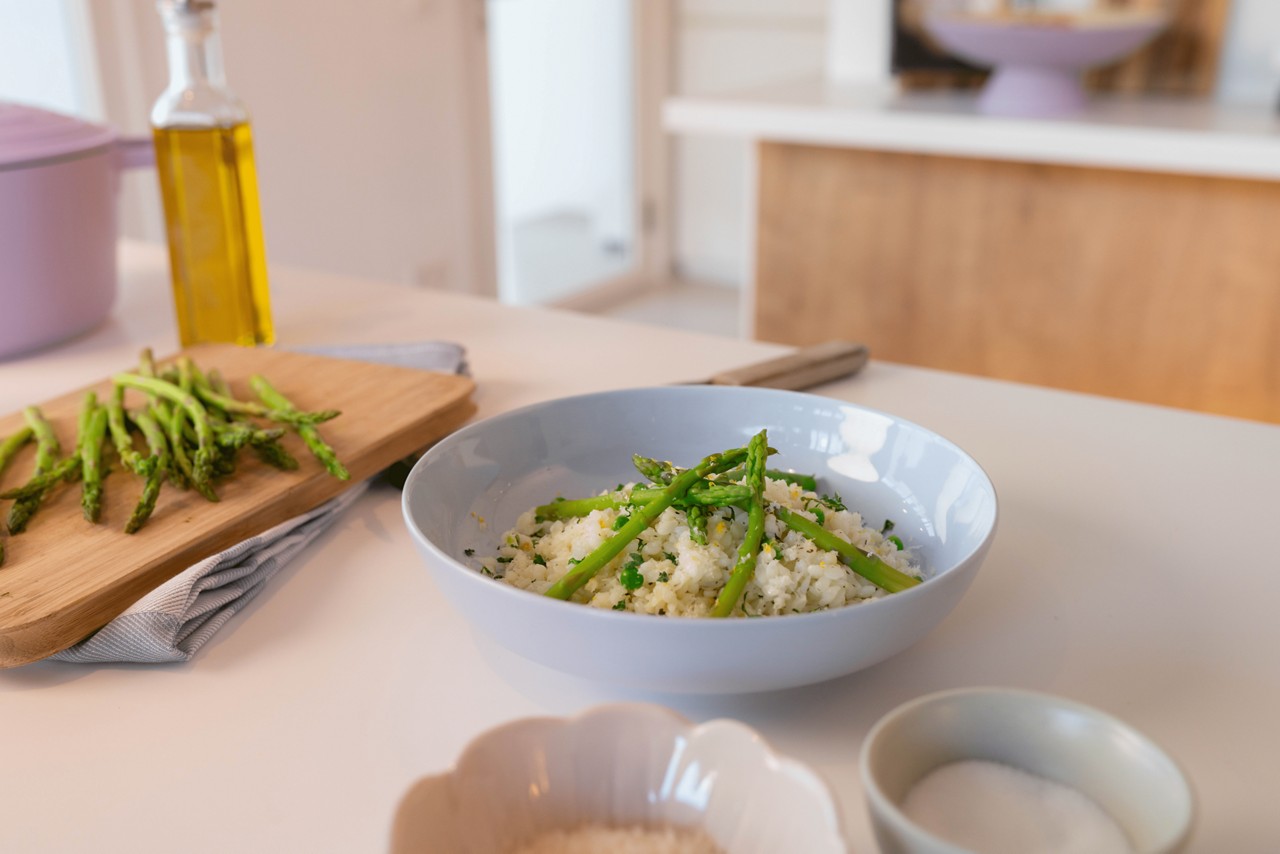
(366, 126)
(561, 86)
(723, 45)
(1250, 71)
(41, 56)
(561, 106)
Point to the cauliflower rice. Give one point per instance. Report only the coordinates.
(628, 840)
(682, 578)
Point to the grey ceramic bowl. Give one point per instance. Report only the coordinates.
(887, 468)
(1118, 768)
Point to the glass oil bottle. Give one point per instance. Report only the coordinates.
(204, 156)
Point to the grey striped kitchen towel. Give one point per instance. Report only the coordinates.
(173, 621)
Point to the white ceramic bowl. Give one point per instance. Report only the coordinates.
(1120, 769)
(620, 766)
(942, 502)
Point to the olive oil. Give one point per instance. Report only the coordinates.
(216, 250)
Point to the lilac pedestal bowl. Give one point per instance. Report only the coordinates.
(1038, 67)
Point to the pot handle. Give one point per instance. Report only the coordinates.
(133, 152)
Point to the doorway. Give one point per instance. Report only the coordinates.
(566, 128)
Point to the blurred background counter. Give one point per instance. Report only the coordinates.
(1125, 250)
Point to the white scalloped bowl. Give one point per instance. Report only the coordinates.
(942, 503)
(620, 766)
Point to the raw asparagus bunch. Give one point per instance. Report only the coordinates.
(192, 429)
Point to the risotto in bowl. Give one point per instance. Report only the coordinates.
(701, 539)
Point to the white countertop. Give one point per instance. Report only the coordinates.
(1149, 134)
(1130, 572)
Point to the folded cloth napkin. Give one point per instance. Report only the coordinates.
(173, 621)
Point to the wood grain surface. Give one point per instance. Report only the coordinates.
(1157, 288)
(63, 577)
(1183, 60)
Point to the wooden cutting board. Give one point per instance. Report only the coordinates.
(64, 578)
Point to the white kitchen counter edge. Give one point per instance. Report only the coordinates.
(1180, 136)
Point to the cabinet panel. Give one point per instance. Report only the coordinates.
(1158, 288)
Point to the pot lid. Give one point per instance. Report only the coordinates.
(30, 134)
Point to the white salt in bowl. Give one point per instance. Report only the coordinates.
(471, 487)
(621, 766)
(1118, 768)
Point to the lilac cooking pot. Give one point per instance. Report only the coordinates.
(59, 182)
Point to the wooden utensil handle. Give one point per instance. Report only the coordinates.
(805, 368)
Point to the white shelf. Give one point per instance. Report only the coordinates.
(1146, 134)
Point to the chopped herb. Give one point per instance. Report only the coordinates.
(621, 605)
(620, 488)
(539, 519)
(669, 556)
(888, 526)
(897, 541)
(663, 577)
(504, 560)
(487, 571)
(819, 515)
(469, 552)
(539, 559)
(574, 561)
(835, 502)
(620, 521)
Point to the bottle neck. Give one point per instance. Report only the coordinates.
(197, 95)
(194, 50)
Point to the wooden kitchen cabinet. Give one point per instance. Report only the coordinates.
(1149, 286)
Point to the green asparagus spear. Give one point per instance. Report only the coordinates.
(174, 424)
(68, 469)
(159, 460)
(120, 438)
(162, 411)
(292, 417)
(10, 446)
(89, 439)
(713, 495)
(640, 519)
(658, 471)
(47, 451)
(310, 435)
(189, 406)
(869, 566)
(805, 481)
(268, 449)
(745, 567)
